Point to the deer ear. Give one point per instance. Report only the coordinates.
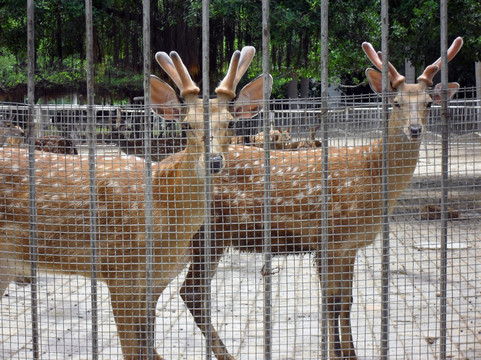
(164, 99)
(249, 100)
(452, 89)
(374, 78)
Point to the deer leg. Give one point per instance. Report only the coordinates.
(347, 344)
(130, 313)
(5, 276)
(193, 293)
(339, 300)
(11, 268)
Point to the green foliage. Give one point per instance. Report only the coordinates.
(10, 72)
(176, 25)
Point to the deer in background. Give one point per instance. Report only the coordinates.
(278, 139)
(162, 145)
(355, 201)
(62, 189)
(9, 132)
(53, 144)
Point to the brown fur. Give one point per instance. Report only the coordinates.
(278, 139)
(355, 208)
(10, 135)
(53, 144)
(56, 144)
(63, 225)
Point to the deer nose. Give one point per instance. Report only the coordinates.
(216, 163)
(415, 131)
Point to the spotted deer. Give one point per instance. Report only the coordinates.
(278, 139)
(62, 196)
(355, 202)
(54, 144)
(9, 132)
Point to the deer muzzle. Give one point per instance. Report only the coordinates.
(216, 163)
(415, 131)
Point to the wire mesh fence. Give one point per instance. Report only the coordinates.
(236, 301)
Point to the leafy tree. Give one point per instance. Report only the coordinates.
(177, 25)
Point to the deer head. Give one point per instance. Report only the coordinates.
(9, 130)
(224, 111)
(411, 102)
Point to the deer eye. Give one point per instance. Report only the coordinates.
(396, 104)
(231, 124)
(186, 126)
(429, 104)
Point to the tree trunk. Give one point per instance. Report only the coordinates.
(305, 87)
(477, 75)
(58, 32)
(410, 72)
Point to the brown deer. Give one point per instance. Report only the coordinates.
(9, 132)
(56, 144)
(355, 201)
(62, 188)
(278, 139)
(53, 144)
(161, 147)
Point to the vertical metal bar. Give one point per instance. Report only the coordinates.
(385, 184)
(208, 183)
(31, 173)
(267, 187)
(477, 75)
(324, 251)
(92, 184)
(444, 178)
(149, 250)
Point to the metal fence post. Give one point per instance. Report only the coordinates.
(92, 184)
(208, 181)
(31, 173)
(444, 178)
(324, 252)
(149, 251)
(267, 248)
(385, 184)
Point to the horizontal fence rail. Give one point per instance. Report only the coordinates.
(353, 126)
(301, 115)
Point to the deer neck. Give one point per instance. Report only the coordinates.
(184, 168)
(178, 193)
(403, 159)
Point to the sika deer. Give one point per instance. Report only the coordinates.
(53, 144)
(278, 139)
(9, 131)
(62, 188)
(355, 201)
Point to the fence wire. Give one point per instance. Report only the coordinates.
(353, 125)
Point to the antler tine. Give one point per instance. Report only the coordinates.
(166, 63)
(372, 55)
(376, 58)
(226, 86)
(177, 71)
(238, 66)
(188, 85)
(430, 71)
(247, 54)
(395, 77)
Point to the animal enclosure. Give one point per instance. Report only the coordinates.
(237, 291)
(340, 227)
